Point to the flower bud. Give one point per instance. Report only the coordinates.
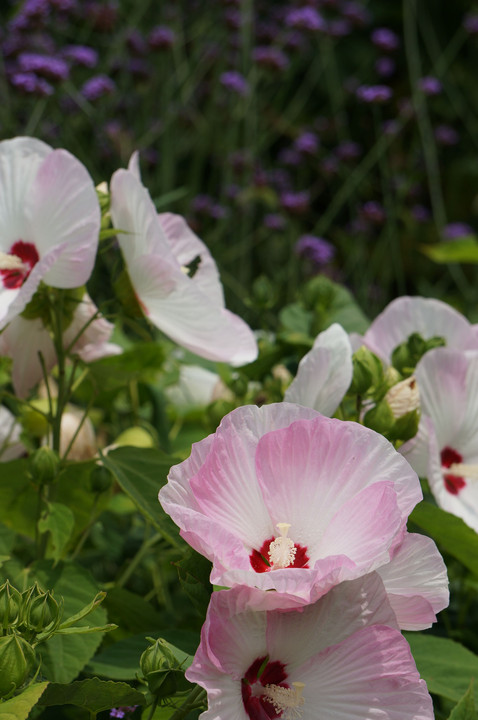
(10, 605)
(33, 420)
(44, 466)
(135, 437)
(43, 613)
(157, 656)
(19, 657)
(367, 371)
(101, 479)
(380, 418)
(403, 397)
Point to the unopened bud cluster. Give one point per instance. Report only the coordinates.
(161, 670)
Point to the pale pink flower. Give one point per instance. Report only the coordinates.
(174, 276)
(341, 657)
(282, 498)
(325, 372)
(24, 339)
(10, 446)
(445, 449)
(49, 222)
(427, 317)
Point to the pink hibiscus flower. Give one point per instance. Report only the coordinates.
(282, 498)
(341, 657)
(174, 276)
(49, 222)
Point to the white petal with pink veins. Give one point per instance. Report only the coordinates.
(325, 373)
(426, 316)
(23, 340)
(416, 582)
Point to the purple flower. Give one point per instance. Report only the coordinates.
(63, 5)
(120, 712)
(97, 86)
(307, 143)
(430, 85)
(233, 18)
(81, 55)
(295, 202)
(161, 37)
(339, 27)
(356, 13)
(385, 66)
(348, 150)
(305, 18)
(456, 230)
(316, 249)
(51, 67)
(30, 83)
(385, 39)
(270, 57)
(273, 221)
(376, 94)
(373, 212)
(421, 213)
(470, 23)
(136, 42)
(446, 135)
(234, 81)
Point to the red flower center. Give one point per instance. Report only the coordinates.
(260, 674)
(15, 277)
(453, 483)
(260, 558)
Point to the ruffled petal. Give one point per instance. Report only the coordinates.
(325, 373)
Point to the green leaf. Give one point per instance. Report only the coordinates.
(332, 303)
(63, 656)
(94, 695)
(7, 539)
(194, 571)
(18, 708)
(141, 362)
(120, 661)
(465, 710)
(59, 521)
(141, 472)
(446, 666)
(449, 532)
(463, 250)
(130, 611)
(294, 318)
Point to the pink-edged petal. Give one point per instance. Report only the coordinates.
(416, 450)
(371, 674)
(22, 341)
(133, 212)
(133, 165)
(416, 582)
(64, 209)
(346, 608)
(186, 247)
(95, 330)
(20, 159)
(426, 316)
(325, 373)
(309, 470)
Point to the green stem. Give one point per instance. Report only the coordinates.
(143, 550)
(57, 326)
(87, 529)
(197, 694)
(153, 709)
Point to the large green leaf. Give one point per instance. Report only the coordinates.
(332, 303)
(445, 665)
(18, 708)
(141, 472)
(58, 520)
(465, 710)
(194, 571)
(63, 656)
(130, 611)
(93, 694)
(141, 362)
(462, 250)
(449, 532)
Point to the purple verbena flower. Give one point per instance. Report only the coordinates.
(273, 221)
(446, 135)
(375, 94)
(456, 230)
(81, 55)
(97, 86)
(161, 37)
(340, 27)
(356, 13)
(316, 249)
(32, 84)
(430, 85)
(50, 67)
(420, 213)
(270, 57)
(385, 66)
(307, 143)
(470, 23)
(385, 39)
(373, 212)
(306, 18)
(295, 202)
(136, 42)
(234, 81)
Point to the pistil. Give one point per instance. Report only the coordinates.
(463, 470)
(286, 701)
(282, 550)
